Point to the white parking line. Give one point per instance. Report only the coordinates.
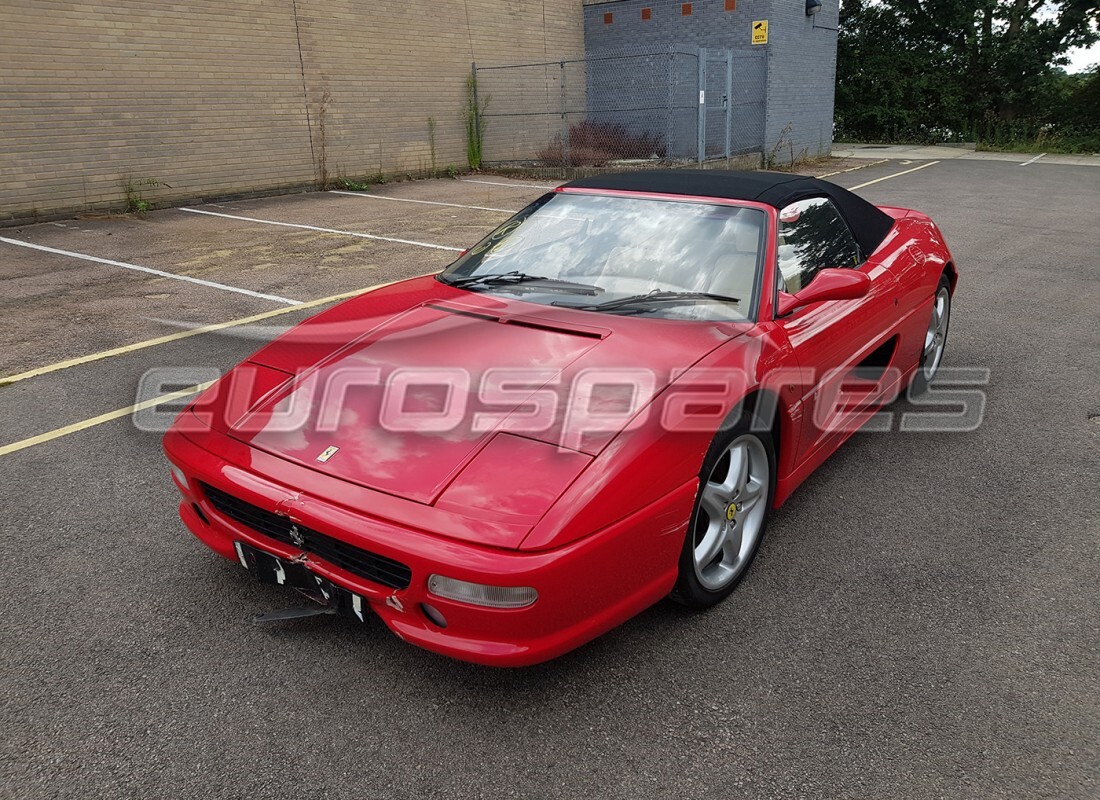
(324, 230)
(151, 271)
(894, 175)
(853, 169)
(499, 183)
(1032, 161)
(425, 202)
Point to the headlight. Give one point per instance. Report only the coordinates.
(479, 594)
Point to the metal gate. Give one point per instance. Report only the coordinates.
(715, 102)
(748, 93)
(731, 107)
(612, 110)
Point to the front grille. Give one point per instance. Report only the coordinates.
(355, 560)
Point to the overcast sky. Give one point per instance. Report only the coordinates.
(1080, 60)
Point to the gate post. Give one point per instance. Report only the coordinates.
(767, 105)
(729, 104)
(701, 139)
(671, 84)
(476, 113)
(564, 123)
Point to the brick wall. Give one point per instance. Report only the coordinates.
(210, 98)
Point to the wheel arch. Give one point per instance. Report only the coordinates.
(768, 406)
(952, 275)
(764, 404)
(758, 411)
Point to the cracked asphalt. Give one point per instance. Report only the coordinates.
(922, 620)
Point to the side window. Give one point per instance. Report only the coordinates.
(812, 237)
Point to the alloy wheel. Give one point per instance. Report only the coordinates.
(732, 508)
(936, 337)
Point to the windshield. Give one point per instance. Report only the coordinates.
(621, 255)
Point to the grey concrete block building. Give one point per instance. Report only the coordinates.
(774, 97)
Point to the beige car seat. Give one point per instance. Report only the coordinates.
(732, 273)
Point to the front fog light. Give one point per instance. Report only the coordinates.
(479, 594)
(177, 473)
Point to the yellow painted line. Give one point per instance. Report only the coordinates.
(895, 175)
(42, 438)
(853, 169)
(175, 337)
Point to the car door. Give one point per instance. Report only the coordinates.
(834, 342)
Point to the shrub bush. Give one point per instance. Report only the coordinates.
(593, 144)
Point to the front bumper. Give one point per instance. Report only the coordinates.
(584, 588)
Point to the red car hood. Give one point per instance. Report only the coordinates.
(440, 371)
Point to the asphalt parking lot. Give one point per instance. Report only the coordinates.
(922, 620)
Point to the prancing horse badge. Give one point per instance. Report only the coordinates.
(327, 454)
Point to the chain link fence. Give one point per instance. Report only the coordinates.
(623, 110)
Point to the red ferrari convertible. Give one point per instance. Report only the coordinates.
(592, 409)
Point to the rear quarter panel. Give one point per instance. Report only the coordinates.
(918, 255)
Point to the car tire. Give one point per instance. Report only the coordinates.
(935, 339)
(730, 516)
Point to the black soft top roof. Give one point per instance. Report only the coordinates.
(778, 189)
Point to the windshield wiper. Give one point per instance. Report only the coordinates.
(520, 281)
(640, 301)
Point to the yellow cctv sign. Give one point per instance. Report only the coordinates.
(760, 31)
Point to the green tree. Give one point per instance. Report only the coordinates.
(1080, 108)
(971, 68)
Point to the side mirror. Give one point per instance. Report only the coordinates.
(828, 284)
